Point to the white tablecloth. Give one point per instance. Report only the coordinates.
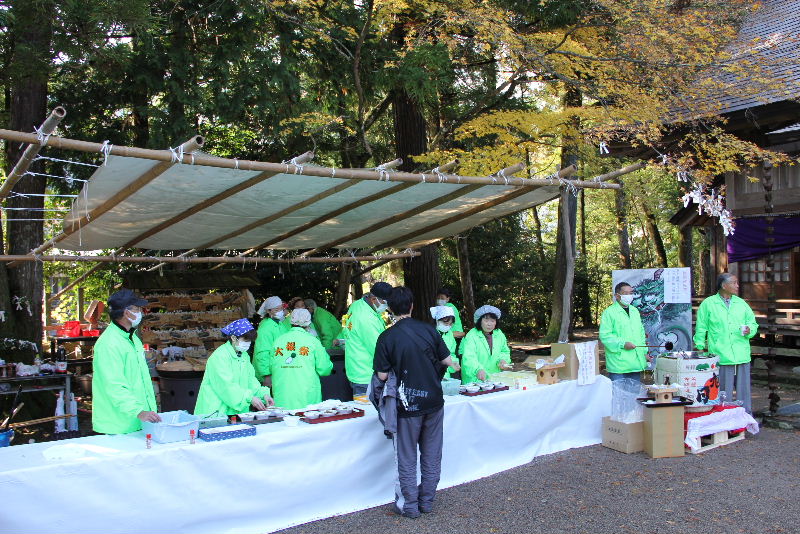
(282, 476)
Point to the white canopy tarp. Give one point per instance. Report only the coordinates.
(183, 186)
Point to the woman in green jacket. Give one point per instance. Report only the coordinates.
(444, 317)
(484, 349)
(229, 384)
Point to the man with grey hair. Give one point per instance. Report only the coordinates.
(324, 323)
(725, 325)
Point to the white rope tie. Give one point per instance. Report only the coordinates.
(439, 175)
(298, 167)
(502, 175)
(236, 164)
(26, 195)
(41, 136)
(333, 172)
(177, 154)
(105, 150)
(69, 178)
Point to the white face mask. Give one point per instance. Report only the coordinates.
(279, 315)
(441, 302)
(137, 318)
(382, 307)
(242, 346)
(441, 327)
(626, 299)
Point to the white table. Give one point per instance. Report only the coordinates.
(282, 476)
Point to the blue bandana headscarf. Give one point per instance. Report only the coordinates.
(237, 328)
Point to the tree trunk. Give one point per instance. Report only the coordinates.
(421, 275)
(342, 289)
(620, 210)
(537, 222)
(465, 273)
(706, 273)
(30, 66)
(655, 235)
(564, 272)
(685, 247)
(772, 312)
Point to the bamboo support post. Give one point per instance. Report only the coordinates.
(290, 168)
(31, 151)
(203, 259)
(438, 201)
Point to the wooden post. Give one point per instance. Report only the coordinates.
(342, 289)
(772, 312)
(569, 255)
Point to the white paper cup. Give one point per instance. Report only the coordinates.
(291, 420)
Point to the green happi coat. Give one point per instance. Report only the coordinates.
(298, 360)
(618, 327)
(718, 329)
(327, 327)
(121, 387)
(361, 327)
(476, 356)
(229, 383)
(457, 327)
(268, 331)
(450, 342)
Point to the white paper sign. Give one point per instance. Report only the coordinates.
(677, 285)
(586, 362)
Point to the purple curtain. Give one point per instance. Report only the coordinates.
(748, 241)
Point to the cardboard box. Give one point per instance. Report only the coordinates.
(663, 431)
(623, 437)
(691, 375)
(570, 370)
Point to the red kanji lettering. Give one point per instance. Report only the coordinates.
(290, 345)
(303, 351)
(279, 351)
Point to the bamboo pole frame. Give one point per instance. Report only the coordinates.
(31, 151)
(249, 260)
(255, 180)
(290, 168)
(188, 147)
(335, 213)
(275, 216)
(438, 201)
(504, 198)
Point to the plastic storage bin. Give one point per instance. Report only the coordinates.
(450, 386)
(174, 426)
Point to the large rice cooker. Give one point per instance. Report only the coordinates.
(695, 373)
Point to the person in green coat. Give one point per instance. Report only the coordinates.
(484, 350)
(297, 362)
(122, 390)
(443, 299)
(622, 334)
(274, 324)
(326, 325)
(361, 326)
(229, 384)
(725, 325)
(443, 315)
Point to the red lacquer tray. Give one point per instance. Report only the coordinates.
(357, 412)
(482, 392)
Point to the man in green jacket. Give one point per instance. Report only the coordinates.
(324, 323)
(122, 390)
(361, 326)
(298, 360)
(622, 335)
(725, 325)
(274, 325)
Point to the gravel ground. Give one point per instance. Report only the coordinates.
(752, 486)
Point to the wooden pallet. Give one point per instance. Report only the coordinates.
(712, 441)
